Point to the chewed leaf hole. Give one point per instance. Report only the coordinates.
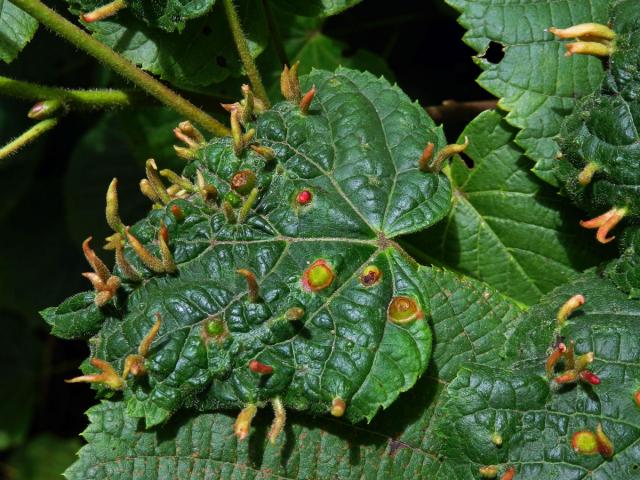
(494, 53)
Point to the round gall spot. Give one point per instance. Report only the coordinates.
(243, 181)
(584, 443)
(304, 197)
(318, 276)
(403, 310)
(636, 397)
(214, 327)
(370, 276)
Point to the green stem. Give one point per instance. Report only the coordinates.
(79, 99)
(245, 54)
(27, 137)
(119, 64)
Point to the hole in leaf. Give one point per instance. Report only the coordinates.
(494, 54)
(468, 161)
(221, 61)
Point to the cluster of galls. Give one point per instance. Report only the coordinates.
(318, 276)
(600, 41)
(574, 368)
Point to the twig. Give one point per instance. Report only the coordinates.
(78, 99)
(243, 50)
(453, 111)
(27, 137)
(82, 40)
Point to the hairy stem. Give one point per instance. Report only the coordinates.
(119, 64)
(27, 137)
(245, 54)
(79, 99)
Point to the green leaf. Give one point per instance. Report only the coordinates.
(315, 8)
(172, 56)
(470, 321)
(625, 270)
(16, 30)
(356, 153)
(45, 457)
(506, 228)
(536, 419)
(535, 82)
(167, 15)
(19, 367)
(76, 317)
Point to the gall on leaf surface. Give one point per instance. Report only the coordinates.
(601, 134)
(471, 322)
(357, 151)
(538, 419)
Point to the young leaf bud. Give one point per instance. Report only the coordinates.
(45, 109)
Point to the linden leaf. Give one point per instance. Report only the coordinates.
(470, 320)
(535, 82)
(16, 30)
(361, 340)
(535, 417)
(172, 57)
(600, 141)
(507, 227)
